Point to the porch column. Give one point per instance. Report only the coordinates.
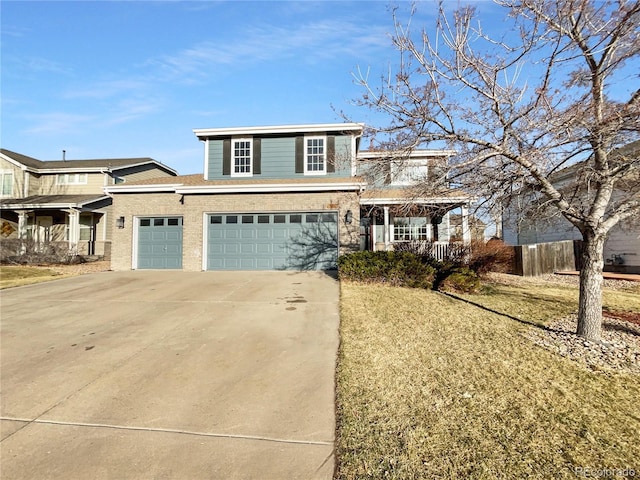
(22, 224)
(74, 228)
(387, 229)
(466, 232)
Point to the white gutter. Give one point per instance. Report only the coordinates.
(276, 129)
(405, 201)
(250, 188)
(266, 188)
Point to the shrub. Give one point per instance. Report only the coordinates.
(28, 252)
(493, 256)
(461, 280)
(393, 268)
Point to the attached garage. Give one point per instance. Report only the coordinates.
(272, 241)
(159, 243)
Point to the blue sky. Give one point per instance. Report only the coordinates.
(132, 79)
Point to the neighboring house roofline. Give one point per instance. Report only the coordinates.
(82, 165)
(51, 202)
(21, 161)
(203, 133)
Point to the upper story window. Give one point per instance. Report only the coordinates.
(315, 161)
(6, 185)
(71, 179)
(409, 172)
(241, 156)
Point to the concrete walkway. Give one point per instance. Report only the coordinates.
(176, 375)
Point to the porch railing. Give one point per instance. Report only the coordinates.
(439, 250)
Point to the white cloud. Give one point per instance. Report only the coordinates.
(309, 41)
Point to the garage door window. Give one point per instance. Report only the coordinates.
(216, 219)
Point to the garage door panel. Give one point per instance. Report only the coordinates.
(272, 241)
(159, 243)
(231, 249)
(247, 248)
(264, 248)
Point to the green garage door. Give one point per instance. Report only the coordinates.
(160, 242)
(272, 241)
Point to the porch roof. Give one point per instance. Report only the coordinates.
(50, 201)
(401, 196)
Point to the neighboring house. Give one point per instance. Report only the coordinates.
(622, 248)
(272, 197)
(63, 203)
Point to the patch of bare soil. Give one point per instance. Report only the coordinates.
(633, 317)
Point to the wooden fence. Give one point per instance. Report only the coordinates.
(541, 258)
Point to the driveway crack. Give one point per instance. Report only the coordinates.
(169, 430)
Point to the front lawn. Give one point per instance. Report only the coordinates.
(14, 276)
(432, 387)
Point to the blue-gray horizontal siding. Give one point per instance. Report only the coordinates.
(215, 160)
(278, 159)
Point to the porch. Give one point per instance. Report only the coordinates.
(388, 222)
(46, 225)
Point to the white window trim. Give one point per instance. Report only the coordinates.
(324, 163)
(13, 180)
(233, 157)
(72, 178)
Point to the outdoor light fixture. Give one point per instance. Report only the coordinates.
(348, 218)
(120, 222)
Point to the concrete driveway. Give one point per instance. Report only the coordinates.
(176, 375)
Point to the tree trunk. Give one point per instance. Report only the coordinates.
(590, 301)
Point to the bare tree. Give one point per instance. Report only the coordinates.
(559, 89)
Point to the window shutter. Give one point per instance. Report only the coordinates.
(226, 156)
(299, 154)
(331, 154)
(257, 156)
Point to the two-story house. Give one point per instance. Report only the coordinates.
(270, 197)
(63, 203)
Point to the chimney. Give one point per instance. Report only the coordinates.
(64, 155)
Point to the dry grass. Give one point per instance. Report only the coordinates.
(431, 387)
(15, 276)
(542, 303)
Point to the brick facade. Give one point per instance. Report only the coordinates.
(193, 209)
